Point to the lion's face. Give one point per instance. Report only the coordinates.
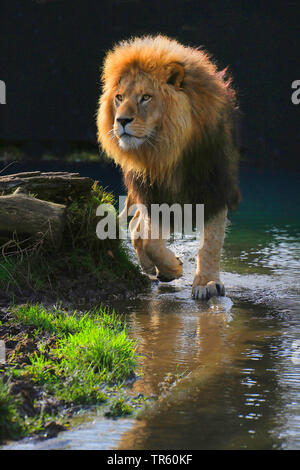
(137, 112)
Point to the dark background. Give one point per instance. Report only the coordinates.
(52, 51)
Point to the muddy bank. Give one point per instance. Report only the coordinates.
(81, 291)
(36, 411)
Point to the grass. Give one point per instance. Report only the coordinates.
(91, 350)
(119, 407)
(79, 359)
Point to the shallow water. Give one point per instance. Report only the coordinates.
(227, 371)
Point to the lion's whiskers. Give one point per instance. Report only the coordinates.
(111, 130)
(112, 137)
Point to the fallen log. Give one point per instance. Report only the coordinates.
(61, 187)
(26, 216)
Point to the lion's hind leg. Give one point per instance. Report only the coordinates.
(207, 279)
(153, 254)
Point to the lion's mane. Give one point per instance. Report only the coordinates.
(195, 159)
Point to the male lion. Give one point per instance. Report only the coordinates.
(166, 117)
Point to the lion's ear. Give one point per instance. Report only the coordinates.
(174, 74)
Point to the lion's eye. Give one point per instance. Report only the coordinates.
(119, 98)
(146, 97)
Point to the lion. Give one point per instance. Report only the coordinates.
(166, 116)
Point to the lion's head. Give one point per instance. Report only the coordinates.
(158, 97)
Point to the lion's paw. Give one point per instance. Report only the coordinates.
(211, 289)
(171, 274)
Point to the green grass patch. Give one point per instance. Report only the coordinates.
(74, 360)
(118, 408)
(91, 351)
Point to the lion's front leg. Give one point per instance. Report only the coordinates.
(146, 263)
(168, 266)
(207, 279)
(154, 256)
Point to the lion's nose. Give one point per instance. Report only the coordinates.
(124, 121)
